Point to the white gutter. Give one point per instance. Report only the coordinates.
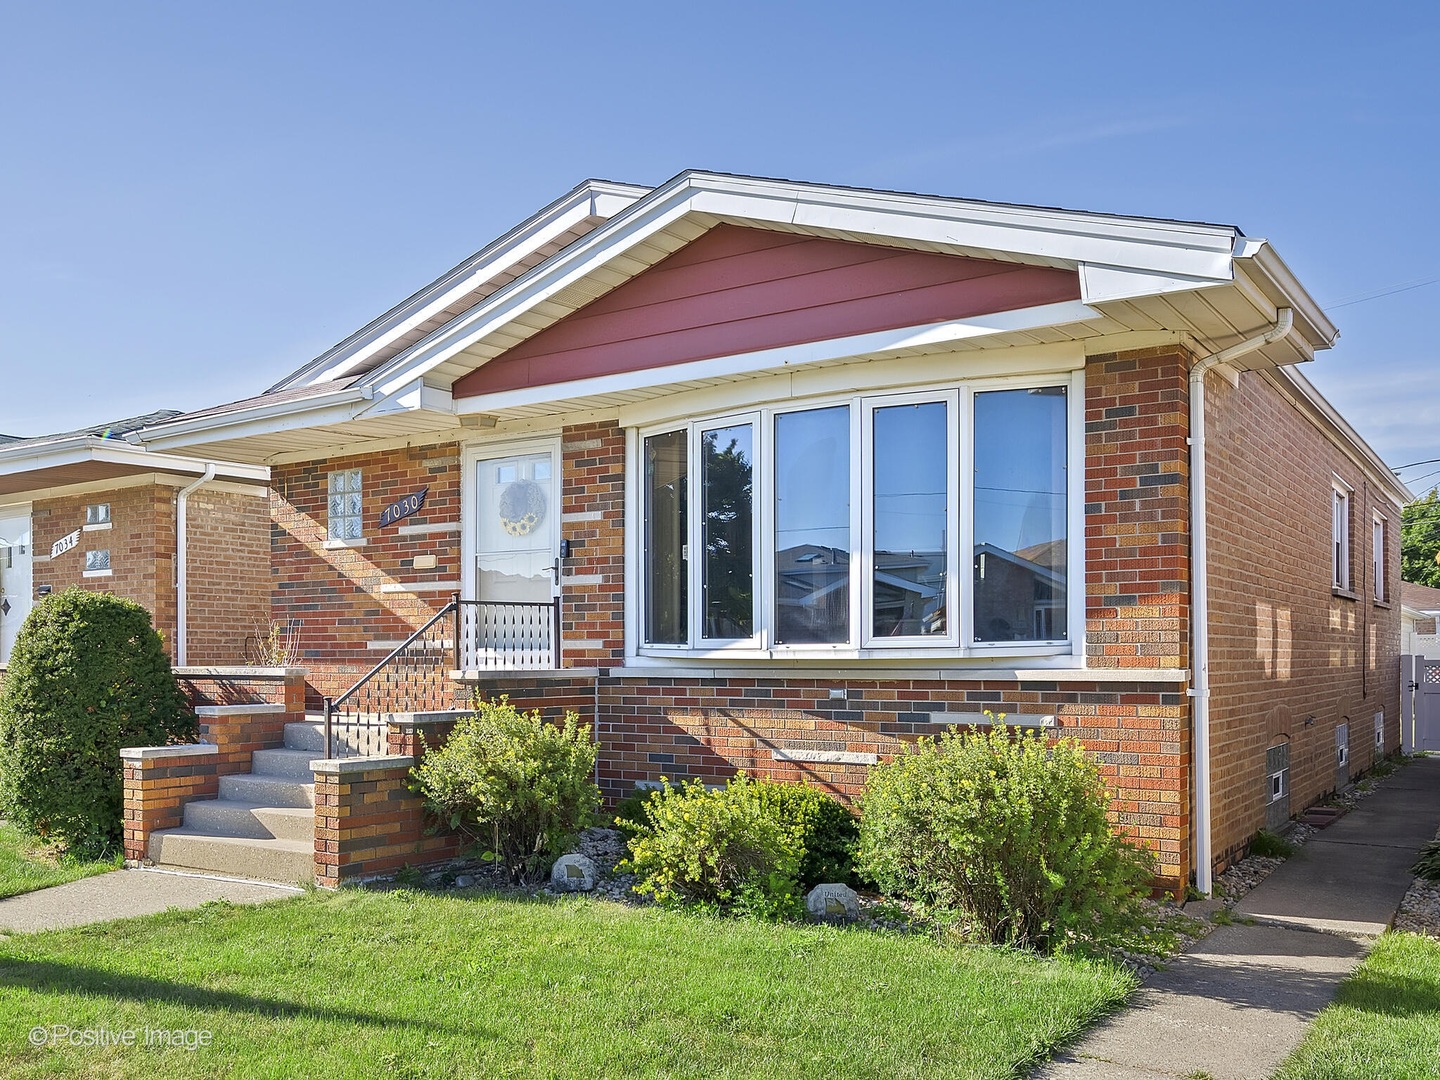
(1200, 584)
(181, 551)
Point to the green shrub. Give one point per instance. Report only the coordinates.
(631, 812)
(1428, 865)
(1007, 830)
(520, 787)
(828, 831)
(1268, 845)
(88, 675)
(720, 848)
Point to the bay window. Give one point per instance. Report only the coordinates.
(842, 526)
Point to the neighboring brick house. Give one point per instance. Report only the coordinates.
(88, 508)
(816, 470)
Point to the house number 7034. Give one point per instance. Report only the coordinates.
(403, 508)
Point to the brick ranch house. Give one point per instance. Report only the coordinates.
(185, 537)
(775, 476)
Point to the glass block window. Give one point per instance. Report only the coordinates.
(97, 560)
(345, 505)
(97, 514)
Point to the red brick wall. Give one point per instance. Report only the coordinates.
(229, 573)
(337, 597)
(141, 542)
(1289, 659)
(228, 576)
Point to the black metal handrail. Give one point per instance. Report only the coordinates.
(520, 641)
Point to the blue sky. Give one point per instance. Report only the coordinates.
(201, 197)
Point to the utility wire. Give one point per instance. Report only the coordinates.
(1389, 290)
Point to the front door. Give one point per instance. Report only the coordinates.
(16, 583)
(516, 576)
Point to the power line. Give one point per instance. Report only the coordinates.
(1389, 290)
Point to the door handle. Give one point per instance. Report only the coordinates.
(555, 569)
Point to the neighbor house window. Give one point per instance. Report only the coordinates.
(346, 519)
(1340, 537)
(1377, 556)
(97, 562)
(97, 515)
(845, 524)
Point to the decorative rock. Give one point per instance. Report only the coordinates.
(573, 873)
(464, 881)
(833, 901)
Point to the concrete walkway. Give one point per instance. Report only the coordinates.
(122, 893)
(1236, 1004)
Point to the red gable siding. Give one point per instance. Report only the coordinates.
(736, 290)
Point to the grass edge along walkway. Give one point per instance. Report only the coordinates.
(1384, 1022)
(361, 983)
(27, 864)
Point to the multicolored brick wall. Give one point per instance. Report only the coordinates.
(228, 577)
(1137, 507)
(1290, 659)
(593, 509)
(824, 731)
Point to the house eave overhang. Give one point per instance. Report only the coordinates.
(1206, 281)
(592, 198)
(258, 419)
(86, 459)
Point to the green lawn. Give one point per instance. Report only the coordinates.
(408, 984)
(27, 864)
(1385, 1022)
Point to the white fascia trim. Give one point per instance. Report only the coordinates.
(787, 356)
(88, 448)
(336, 407)
(1066, 236)
(593, 198)
(416, 396)
(1052, 237)
(1259, 259)
(1342, 434)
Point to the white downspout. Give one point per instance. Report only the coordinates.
(181, 551)
(1200, 584)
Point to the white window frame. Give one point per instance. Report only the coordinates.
(1378, 539)
(958, 640)
(1340, 534)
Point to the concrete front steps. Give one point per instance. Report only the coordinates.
(263, 824)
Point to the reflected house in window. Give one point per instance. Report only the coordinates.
(909, 593)
(812, 593)
(1020, 595)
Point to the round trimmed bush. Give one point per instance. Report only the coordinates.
(828, 831)
(88, 675)
(1010, 831)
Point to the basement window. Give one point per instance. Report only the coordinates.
(1277, 786)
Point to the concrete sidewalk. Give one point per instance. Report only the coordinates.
(1236, 1004)
(123, 893)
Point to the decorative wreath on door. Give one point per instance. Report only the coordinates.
(522, 507)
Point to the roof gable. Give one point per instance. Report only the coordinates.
(738, 289)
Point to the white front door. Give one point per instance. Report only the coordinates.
(16, 581)
(516, 570)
